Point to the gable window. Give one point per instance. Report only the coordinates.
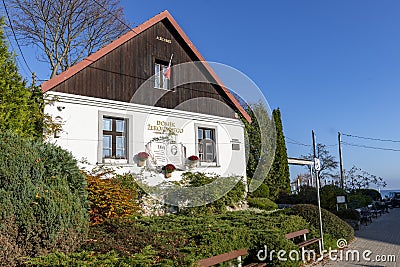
(114, 138)
(160, 79)
(206, 142)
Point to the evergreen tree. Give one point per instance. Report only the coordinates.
(259, 158)
(253, 145)
(21, 108)
(278, 177)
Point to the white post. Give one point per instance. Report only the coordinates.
(317, 168)
(239, 259)
(319, 213)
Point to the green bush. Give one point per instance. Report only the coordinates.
(333, 227)
(262, 203)
(286, 198)
(43, 199)
(93, 259)
(182, 240)
(328, 196)
(231, 199)
(357, 201)
(261, 191)
(350, 214)
(306, 195)
(374, 194)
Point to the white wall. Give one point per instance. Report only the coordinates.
(81, 131)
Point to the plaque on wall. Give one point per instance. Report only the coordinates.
(162, 153)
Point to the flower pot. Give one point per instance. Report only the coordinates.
(168, 174)
(141, 163)
(192, 164)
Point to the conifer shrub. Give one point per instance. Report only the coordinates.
(232, 199)
(43, 199)
(180, 240)
(261, 191)
(262, 203)
(145, 258)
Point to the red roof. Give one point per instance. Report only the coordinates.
(50, 84)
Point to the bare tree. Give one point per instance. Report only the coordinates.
(328, 163)
(66, 31)
(357, 178)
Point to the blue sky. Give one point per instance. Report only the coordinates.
(328, 65)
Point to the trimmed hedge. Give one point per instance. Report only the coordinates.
(262, 203)
(43, 200)
(334, 228)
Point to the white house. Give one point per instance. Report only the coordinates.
(131, 97)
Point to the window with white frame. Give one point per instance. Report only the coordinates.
(160, 79)
(206, 144)
(114, 138)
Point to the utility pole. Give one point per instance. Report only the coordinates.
(317, 168)
(341, 161)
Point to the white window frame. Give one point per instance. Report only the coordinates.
(128, 138)
(160, 77)
(215, 128)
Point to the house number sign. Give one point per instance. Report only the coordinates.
(165, 40)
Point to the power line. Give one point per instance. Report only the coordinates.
(15, 37)
(331, 145)
(371, 147)
(371, 138)
(17, 58)
(295, 142)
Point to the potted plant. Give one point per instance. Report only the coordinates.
(142, 157)
(192, 161)
(168, 170)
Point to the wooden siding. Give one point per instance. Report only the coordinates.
(121, 72)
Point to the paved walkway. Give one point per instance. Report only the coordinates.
(381, 238)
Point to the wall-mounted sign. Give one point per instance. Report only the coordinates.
(164, 127)
(162, 153)
(162, 39)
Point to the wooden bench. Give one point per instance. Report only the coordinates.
(365, 214)
(236, 254)
(305, 242)
(374, 210)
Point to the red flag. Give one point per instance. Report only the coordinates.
(167, 73)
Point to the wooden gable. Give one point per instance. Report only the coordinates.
(119, 69)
